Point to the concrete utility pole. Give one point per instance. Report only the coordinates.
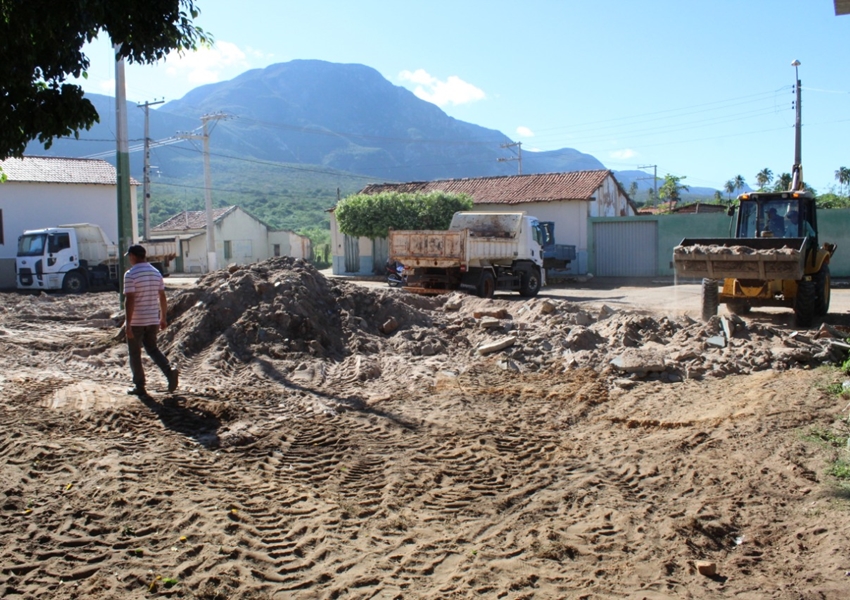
(212, 259)
(126, 227)
(797, 170)
(146, 233)
(654, 179)
(517, 158)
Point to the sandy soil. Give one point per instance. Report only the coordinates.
(333, 441)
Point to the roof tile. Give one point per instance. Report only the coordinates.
(50, 169)
(192, 219)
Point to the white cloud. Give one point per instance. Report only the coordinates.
(524, 131)
(206, 64)
(453, 90)
(623, 154)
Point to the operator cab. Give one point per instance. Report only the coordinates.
(778, 215)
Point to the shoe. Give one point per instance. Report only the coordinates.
(137, 391)
(172, 380)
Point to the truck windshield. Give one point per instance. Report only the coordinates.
(31, 245)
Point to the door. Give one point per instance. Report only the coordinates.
(380, 254)
(352, 254)
(626, 248)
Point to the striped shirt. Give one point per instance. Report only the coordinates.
(145, 283)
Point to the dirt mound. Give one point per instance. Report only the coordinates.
(284, 308)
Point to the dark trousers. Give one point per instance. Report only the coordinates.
(145, 336)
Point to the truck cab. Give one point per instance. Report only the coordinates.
(67, 258)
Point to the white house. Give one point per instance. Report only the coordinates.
(42, 191)
(567, 199)
(240, 238)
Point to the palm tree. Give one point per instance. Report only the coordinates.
(739, 182)
(783, 182)
(671, 188)
(729, 188)
(764, 177)
(718, 196)
(843, 177)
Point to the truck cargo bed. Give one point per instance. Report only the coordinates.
(738, 258)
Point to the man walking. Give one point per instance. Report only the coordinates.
(145, 307)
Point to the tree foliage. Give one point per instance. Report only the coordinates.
(672, 187)
(43, 47)
(764, 177)
(372, 216)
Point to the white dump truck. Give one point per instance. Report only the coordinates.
(480, 253)
(75, 258)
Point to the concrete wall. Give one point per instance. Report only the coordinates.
(39, 205)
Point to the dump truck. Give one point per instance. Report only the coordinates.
(480, 253)
(774, 259)
(77, 257)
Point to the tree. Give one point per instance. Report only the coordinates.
(739, 182)
(783, 182)
(843, 177)
(633, 190)
(43, 47)
(372, 216)
(718, 196)
(671, 188)
(729, 188)
(764, 177)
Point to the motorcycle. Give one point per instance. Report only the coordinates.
(396, 277)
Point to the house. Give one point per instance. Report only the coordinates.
(43, 191)
(240, 238)
(567, 199)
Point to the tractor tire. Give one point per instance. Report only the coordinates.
(486, 285)
(822, 291)
(530, 285)
(739, 307)
(804, 303)
(709, 298)
(74, 283)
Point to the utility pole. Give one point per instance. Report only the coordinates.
(517, 158)
(146, 233)
(654, 179)
(212, 260)
(126, 226)
(797, 170)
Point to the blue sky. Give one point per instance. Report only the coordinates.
(700, 89)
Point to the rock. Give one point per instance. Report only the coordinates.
(428, 349)
(547, 307)
(707, 568)
(232, 269)
(624, 384)
(389, 326)
(453, 304)
(716, 341)
(605, 312)
(639, 361)
(500, 344)
(490, 323)
(509, 365)
(496, 314)
(583, 318)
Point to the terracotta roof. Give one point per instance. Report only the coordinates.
(511, 189)
(50, 169)
(192, 219)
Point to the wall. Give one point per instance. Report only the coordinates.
(834, 227)
(39, 205)
(610, 201)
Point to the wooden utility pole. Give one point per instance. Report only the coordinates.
(654, 179)
(122, 172)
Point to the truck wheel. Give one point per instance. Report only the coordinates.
(74, 283)
(740, 307)
(530, 282)
(486, 285)
(804, 303)
(709, 298)
(822, 291)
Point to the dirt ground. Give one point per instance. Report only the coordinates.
(331, 440)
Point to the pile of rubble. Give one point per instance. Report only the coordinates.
(285, 310)
(700, 249)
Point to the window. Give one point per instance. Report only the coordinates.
(57, 242)
(276, 249)
(228, 250)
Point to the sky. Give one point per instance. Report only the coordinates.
(701, 90)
